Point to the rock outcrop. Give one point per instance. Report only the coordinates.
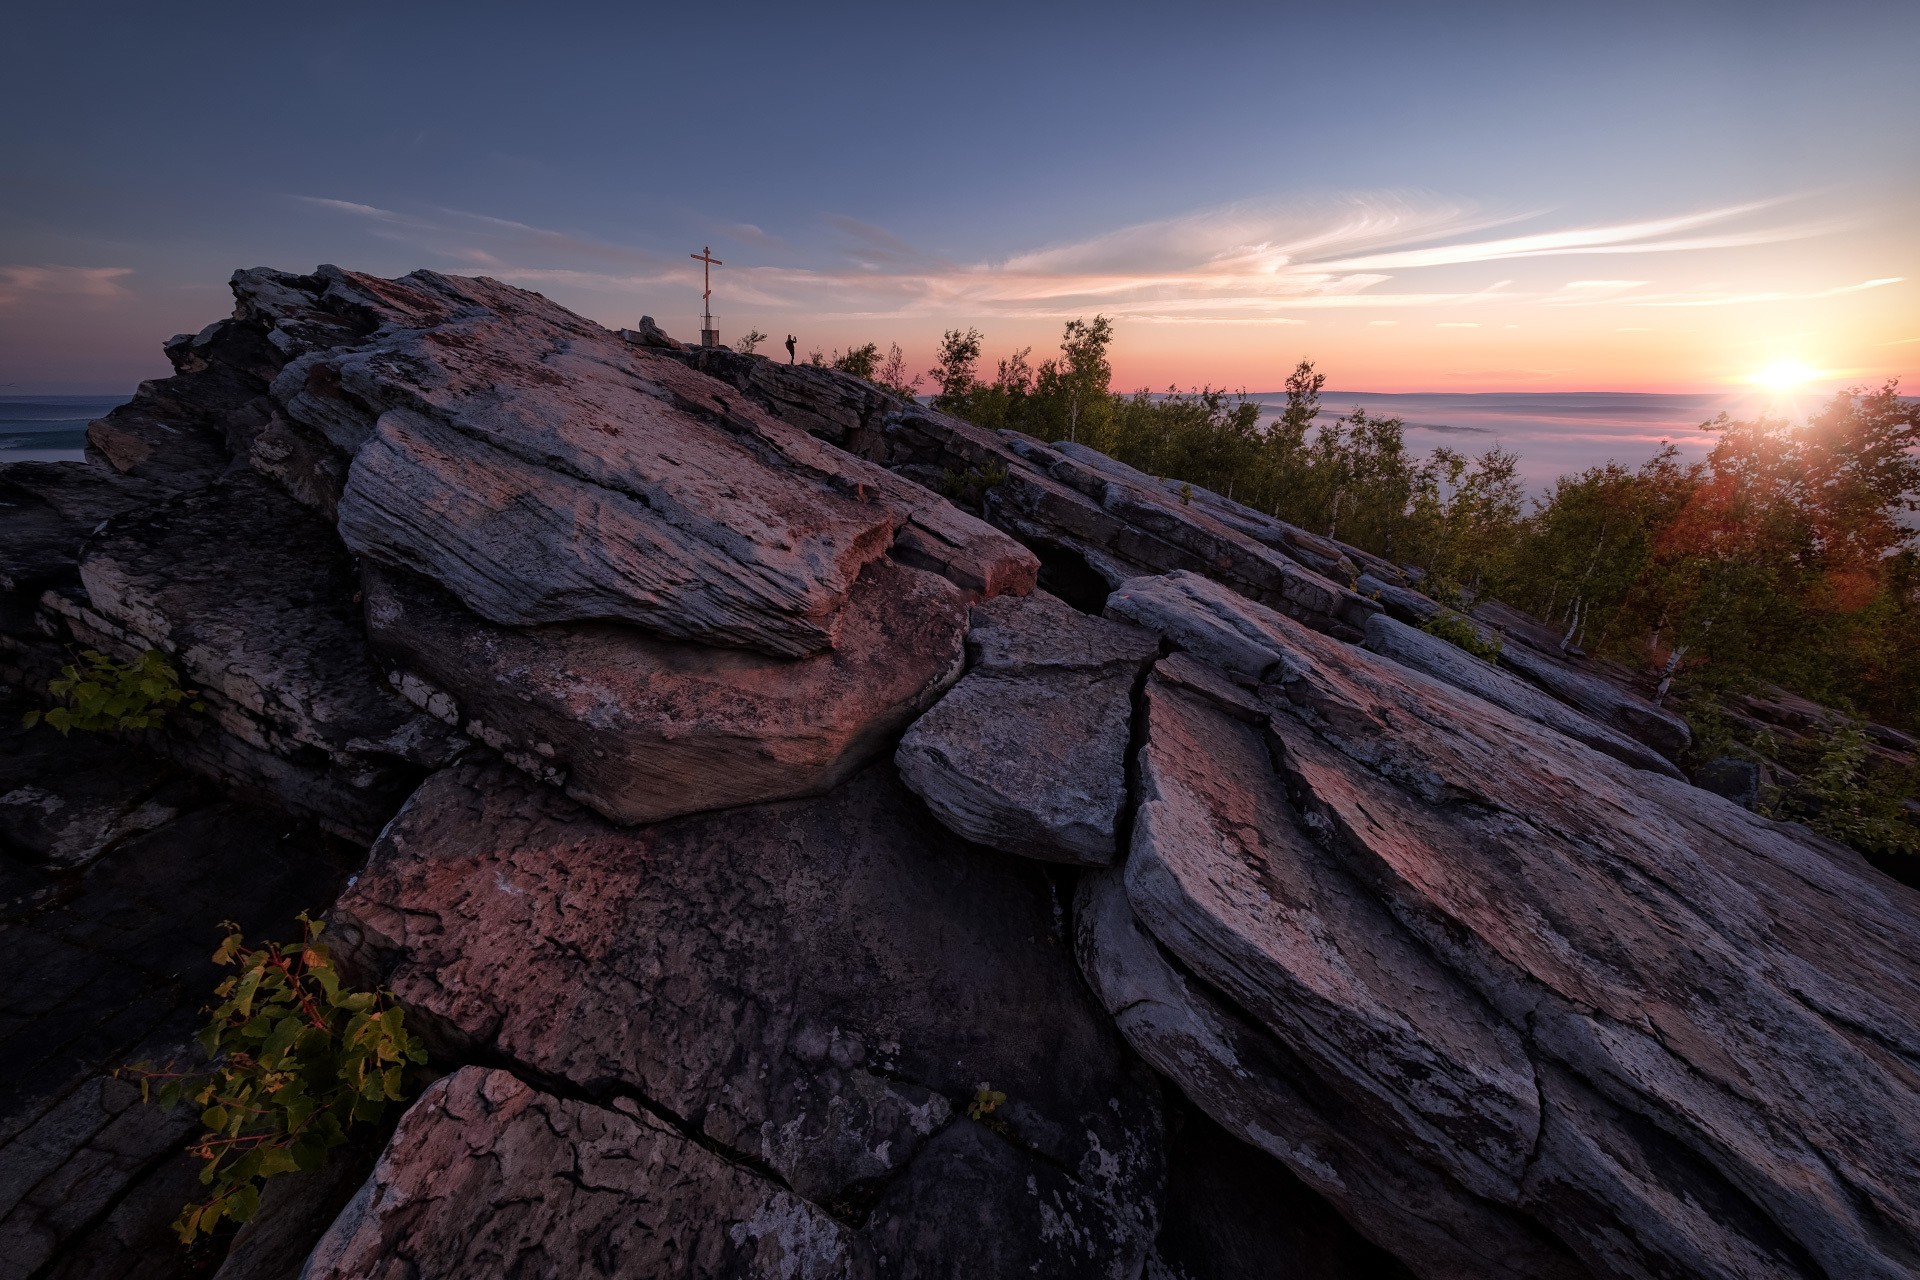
(785, 887)
(1485, 680)
(1572, 992)
(641, 728)
(1028, 754)
(819, 989)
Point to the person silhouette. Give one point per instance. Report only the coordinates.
(789, 348)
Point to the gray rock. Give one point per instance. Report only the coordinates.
(1258, 1089)
(1027, 754)
(1730, 776)
(487, 427)
(489, 1176)
(649, 334)
(1399, 600)
(1602, 699)
(819, 988)
(640, 728)
(253, 600)
(1591, 995)
(1210, 622)
(1450, 663)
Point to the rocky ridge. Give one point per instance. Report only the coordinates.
(797, 872)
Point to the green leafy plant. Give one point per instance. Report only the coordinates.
(1844, 797)
(1456, 629)
(987, 1100)
(296, 1061)
(99, 695)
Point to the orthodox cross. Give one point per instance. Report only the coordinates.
(709, 336)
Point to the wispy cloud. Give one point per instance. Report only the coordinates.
(1246, 263)
(1727, 299)
(98, 283)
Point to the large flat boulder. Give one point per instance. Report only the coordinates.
(542, 469)
(820, 988)
(1582, 993)
(641, 728)
(1028, 753)
(488, 1176)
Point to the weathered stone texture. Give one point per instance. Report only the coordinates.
(1027, 754)
(820, 986)
(488, 1176)
(641, 728)
(1586, 994)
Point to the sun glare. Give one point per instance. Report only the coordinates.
(1785, 375)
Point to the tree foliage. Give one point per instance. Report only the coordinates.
(297, 1060)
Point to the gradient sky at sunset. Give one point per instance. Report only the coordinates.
(1419, 197)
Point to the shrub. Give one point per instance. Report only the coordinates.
(100, 695)
(296, 1061)
(1844, 797)
(1456, 629)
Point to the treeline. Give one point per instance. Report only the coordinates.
(1786, 556)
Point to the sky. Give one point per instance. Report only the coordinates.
(1417, 197)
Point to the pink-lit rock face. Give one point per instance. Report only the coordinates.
(640, 728)
(817, 988)
(1572, 991)
(542, 469)
(489, 1176)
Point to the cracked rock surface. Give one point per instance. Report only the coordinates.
(1028, 753)
(488, 1176)
(820, 988)
(1614, 1005)
(640, 728)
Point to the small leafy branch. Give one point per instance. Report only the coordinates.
(100, 695)
(296, 1060)
(1457, 630)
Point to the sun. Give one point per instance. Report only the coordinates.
(1785, 375)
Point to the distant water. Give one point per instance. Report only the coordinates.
(49, 428)
(1552, 432)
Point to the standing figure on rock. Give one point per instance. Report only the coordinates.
(790, 341)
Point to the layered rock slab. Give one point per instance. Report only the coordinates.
(1027, 754)
(1690, 998)
(487, 1175)
(1093, 521)
(818, 986)
(640, 728)
(542, 469)
(1257, 1088)
(253, 600)
(1448, 662)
